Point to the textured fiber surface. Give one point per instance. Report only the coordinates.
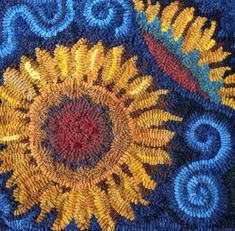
(117, 115)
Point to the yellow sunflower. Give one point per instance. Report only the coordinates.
(79, 127)
(195, 34)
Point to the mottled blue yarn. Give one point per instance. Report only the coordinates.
(199, 194)
(163, 212)
(57, 15)
(21, 10)
(227, 16)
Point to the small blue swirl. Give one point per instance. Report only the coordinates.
(112, 18)
(204, 134)
(101, 18)
(198, 193)
(23, 11)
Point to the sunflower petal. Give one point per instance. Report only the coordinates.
(146, 100)
(102, 209)
(94, 61)
(139, 173)
(112, 65)
(153, 156)
(79, 54)
(118, 202)
(154, 137)
(155, 118)
(63, 61)
(139, 86)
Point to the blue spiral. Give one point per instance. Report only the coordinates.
(211, 137)
(198, 193)
(22, 10)
(110, 17)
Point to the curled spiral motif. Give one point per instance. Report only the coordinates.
(111, 15)
(204, 134)
(198, 193)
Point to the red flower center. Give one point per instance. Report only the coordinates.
(79, 131)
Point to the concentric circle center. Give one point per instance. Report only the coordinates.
(79, 131)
